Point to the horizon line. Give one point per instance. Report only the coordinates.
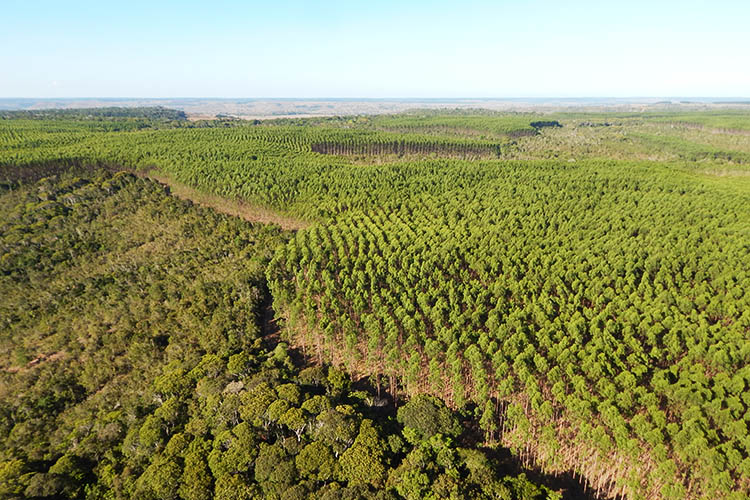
(407, 98)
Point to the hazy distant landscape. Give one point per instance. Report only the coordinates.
(280, 108)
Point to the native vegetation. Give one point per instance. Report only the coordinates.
(136, 365)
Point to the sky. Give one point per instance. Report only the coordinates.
(374, 49)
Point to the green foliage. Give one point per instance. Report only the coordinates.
(316, 461)
(424, 416)
(362, 463)
(274, 469)
(581, 290)
(111, 113)
(13, 479)
(146, 375)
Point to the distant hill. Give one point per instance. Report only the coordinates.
(253, 108)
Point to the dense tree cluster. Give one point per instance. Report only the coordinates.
(545, 123)
(406, 147)
(112, 113)
(726, 119)
(134, 366)
(591, 313)
(460, 123)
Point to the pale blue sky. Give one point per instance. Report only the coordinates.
(223, 48)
